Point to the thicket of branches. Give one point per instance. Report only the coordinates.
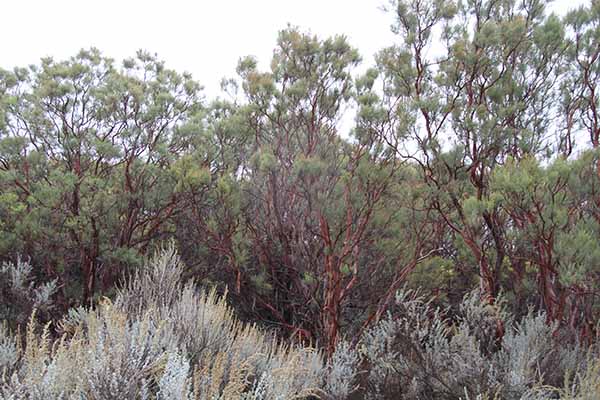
(471, 166)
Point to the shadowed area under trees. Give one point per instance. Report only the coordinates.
(445, 246)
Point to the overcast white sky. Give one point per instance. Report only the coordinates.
(204, 37)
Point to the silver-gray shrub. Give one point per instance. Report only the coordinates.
(174, 383)
(20, 294)
(162, 338)
(524, 350)
(8, 349)
(533, 354)
(342, 372)
(417, 352)
(159, 339)
(157, 283)
(204, 328)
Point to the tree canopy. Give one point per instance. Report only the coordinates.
(471, 161)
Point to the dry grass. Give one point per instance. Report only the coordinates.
(164, 339)
(159, 339)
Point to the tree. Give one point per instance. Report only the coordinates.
(296, 217)
(581, 98)
(460, 114)
(86, 158)
(552, 226)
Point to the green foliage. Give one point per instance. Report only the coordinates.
(472, 159)
(85, 163)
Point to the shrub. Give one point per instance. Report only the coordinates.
(8, 349)
(160, 339)
(343, 371)
(164, 339)
(417, 352)
(585, 385)
(20, 295)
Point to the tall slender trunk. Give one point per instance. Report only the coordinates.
(331, 307)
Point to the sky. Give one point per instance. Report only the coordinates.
(204, 37)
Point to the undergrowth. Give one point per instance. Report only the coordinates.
(163, 338)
